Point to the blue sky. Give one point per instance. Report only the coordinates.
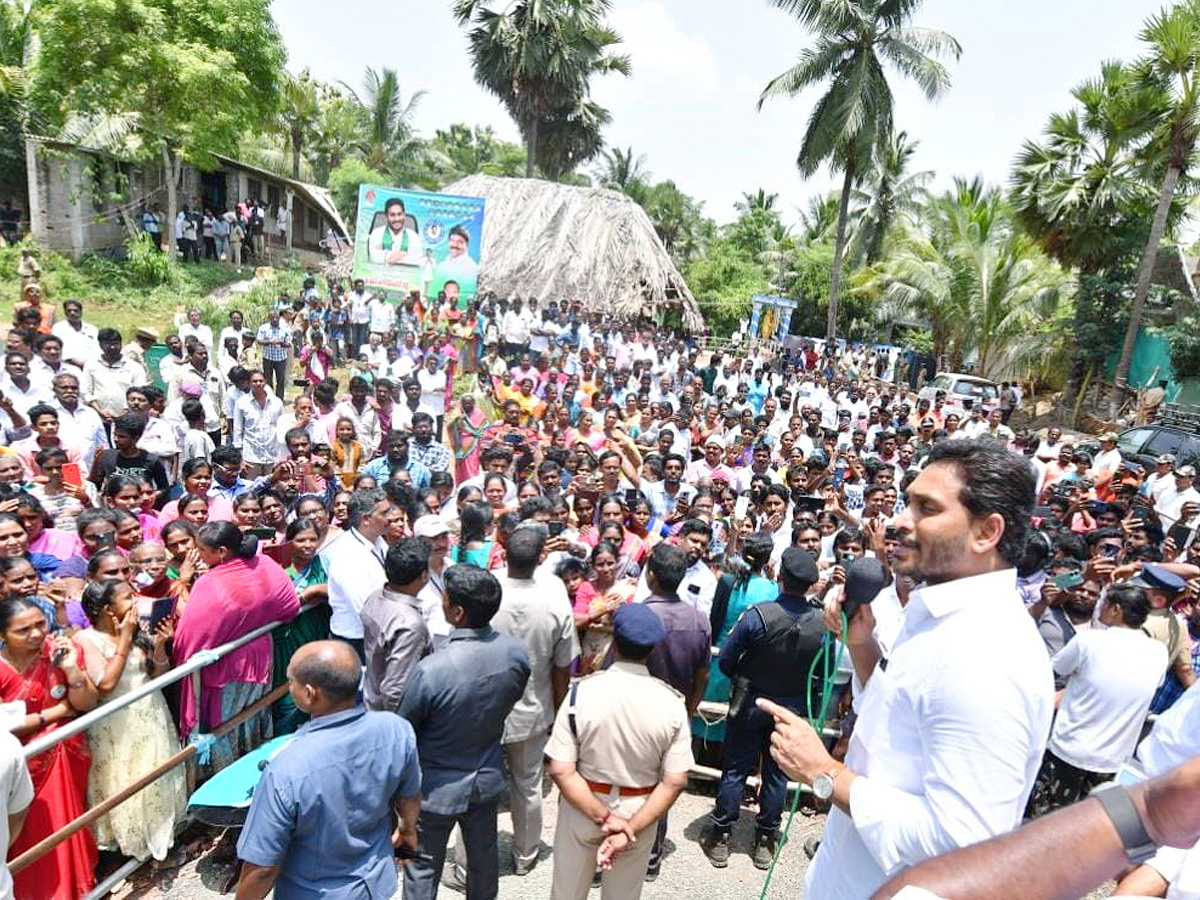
(699, 66)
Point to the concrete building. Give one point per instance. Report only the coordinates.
(83, 200)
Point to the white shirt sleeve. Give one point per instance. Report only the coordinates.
(974, 778)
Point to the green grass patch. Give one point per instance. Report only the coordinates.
(122, 295)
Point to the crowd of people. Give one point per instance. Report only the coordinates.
(227, 235)
(514, 540)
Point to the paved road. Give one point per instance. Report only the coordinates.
(685, 874)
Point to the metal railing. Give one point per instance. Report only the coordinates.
(199, 661)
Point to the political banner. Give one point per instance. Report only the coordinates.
(417, 241)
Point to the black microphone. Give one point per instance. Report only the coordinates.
(865, 578)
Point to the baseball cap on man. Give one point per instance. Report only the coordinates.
(1186, 471)
(430, 526)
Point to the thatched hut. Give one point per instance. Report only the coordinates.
(559, 242)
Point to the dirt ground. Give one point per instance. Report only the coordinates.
(685, 871)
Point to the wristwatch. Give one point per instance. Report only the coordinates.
(823, 784)
(1125, 819)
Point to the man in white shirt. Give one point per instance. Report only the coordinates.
(699, 584)
(950, 735)
(1112, 674)
(515, 330)
(19, 386)
(80, 338)
(382, 316)
(235, 329)
(359, 313)
(193, 327)
(1171, 503)
(16, 789)
(49, 362)
(255, 420)
(1108, 460)
(78, 423)
(109, 376)
(354, 561)
(1161, 481)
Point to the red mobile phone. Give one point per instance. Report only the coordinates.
(72, 474)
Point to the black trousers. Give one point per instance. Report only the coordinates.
(275, 371)
(483, 856)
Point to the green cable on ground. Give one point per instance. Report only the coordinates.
(823, 655)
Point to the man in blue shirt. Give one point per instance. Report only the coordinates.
(457, 701)
(321, 820)
(396, 457)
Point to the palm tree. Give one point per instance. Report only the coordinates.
(1080, 194)
(1173, 67)
(981, 284)
(818, 219)
(893, 192)
(570, 136)
(298, 112)
(854, 41)
(622, 170)
(538, 57)
(389, 128)
(760, 200)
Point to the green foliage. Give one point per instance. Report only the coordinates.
(1183, 343)
(147, 266)
(343, 184)
(852, 121)
(111, 291)
(188, 72)
(723, 280)
(539, 58)
(985, 289)
(463, 150)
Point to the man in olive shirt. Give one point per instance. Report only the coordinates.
(395, 635)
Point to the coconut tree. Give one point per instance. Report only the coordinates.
(389, 128)
(854, 43)
(1173, 67)
(624, 171)
(982, 285)
(760, 200)
(1079, 192)
(539, 57)
(893, 191)
(299, 106)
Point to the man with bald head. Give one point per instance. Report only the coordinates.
(321, 822)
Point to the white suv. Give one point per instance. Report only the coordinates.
(959, 387)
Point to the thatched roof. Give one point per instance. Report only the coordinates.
(559, 242)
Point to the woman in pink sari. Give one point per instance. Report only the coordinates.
(466, 428)
(240, 592)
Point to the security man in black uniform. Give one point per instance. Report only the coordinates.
(769, 654)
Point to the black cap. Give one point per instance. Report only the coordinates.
(798, 567)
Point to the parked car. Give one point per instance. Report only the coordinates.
(1145, 443)
(960, 387)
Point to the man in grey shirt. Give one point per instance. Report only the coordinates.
(395, 636)
(539, 613)
(457, 701)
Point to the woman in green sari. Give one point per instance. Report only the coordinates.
(736, 593)
(308, 575)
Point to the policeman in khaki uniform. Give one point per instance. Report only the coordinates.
(620, 753)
